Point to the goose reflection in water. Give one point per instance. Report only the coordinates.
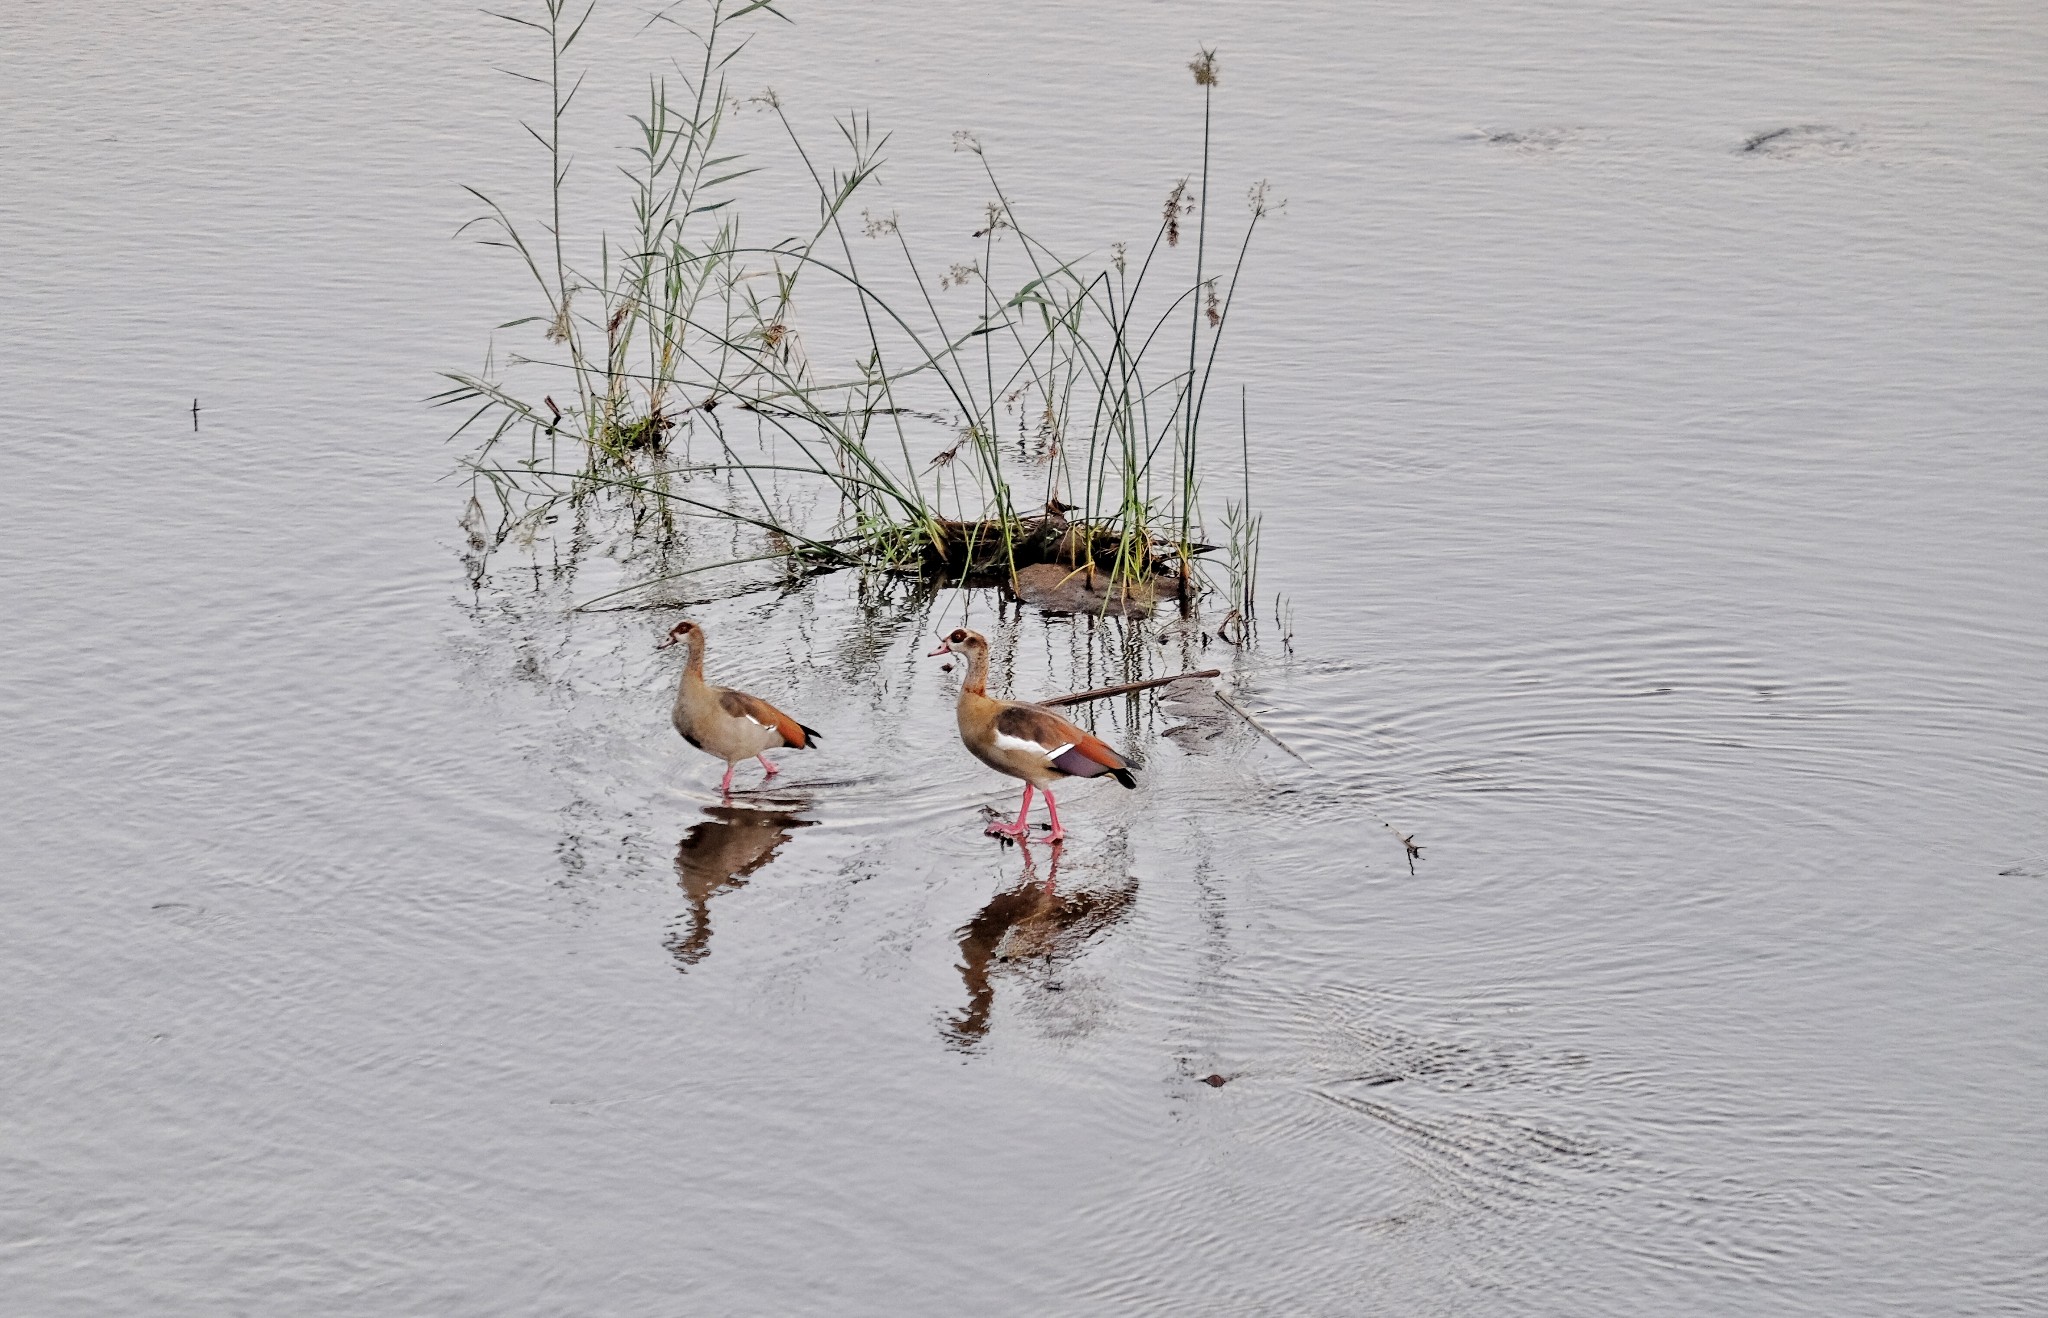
(1034, 923)
(718, 855)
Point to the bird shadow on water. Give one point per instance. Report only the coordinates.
(719, 854)
(1029, 931)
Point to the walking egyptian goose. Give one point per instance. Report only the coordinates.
(1022, 740)
(721, 721)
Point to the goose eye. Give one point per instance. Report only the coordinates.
(957, 637)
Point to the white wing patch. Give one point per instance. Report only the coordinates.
(756, 722)
(1004, 741)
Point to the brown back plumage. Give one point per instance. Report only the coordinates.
(741, 705)
(1085, 756)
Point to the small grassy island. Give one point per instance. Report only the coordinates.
(1048, 441)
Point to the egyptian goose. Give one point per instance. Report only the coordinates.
(721, 721)
(1024, 741)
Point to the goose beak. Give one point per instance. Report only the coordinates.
(943, 649)
(665, 642)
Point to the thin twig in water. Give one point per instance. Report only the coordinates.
(1257, 726)
(584, 607)
(1410, 848)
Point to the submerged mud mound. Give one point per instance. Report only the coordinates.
(1057, 588)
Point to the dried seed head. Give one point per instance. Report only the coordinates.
(558, 329)
(1117, 256)
(995, 219)
(1203, 66)
(959, 275)
(1175, 201)
(966, 141)
(1257, 198)
(877, 225)
(1212, 309)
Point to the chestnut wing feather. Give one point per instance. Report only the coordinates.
(741, 705)
(1081, 754)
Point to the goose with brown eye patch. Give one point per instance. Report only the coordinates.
(1024, 740)
(729, 724)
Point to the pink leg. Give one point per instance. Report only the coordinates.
(1017, 829)
(725, 787)
(1057, 832)
(772, 770)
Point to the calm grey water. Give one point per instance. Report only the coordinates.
(1665, 527)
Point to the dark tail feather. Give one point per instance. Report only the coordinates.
(1124, 776)
(810, 735)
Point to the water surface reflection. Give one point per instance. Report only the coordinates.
(1034, 924)
(718, 855)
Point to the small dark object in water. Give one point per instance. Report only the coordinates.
(1799, 140)
(1530, 140)
(1215, 1081)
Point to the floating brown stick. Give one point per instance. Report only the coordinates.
(1103, 691)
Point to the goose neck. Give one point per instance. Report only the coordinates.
(976, 683)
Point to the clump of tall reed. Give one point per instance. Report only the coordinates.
(1057, 420)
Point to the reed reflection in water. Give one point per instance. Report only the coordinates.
(1036, 925)
(718, 855)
